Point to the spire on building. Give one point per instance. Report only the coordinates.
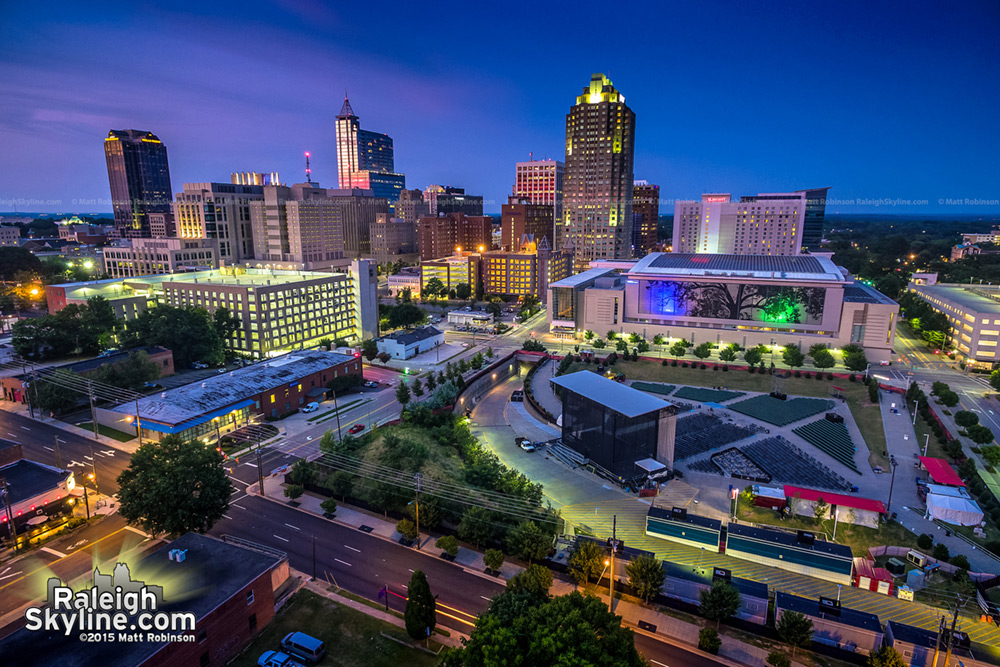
(346, 111)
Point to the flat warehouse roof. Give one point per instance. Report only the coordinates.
(580, 278)
(785, 267)
(969, 297)
(27, 479)
(612, 395)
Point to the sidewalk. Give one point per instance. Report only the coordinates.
(668, 629)
(22, 409)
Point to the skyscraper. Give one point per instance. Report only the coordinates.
(444, 199)
(139, 177)
(365, 159)
(645, 216)
(440, 236)
(220, 211)
(812, 221)
(597, 191)
(541, 182)
(519, 217)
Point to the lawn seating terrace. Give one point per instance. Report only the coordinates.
(778, 412)
(834, 439)
(653, 387)
(707, 395)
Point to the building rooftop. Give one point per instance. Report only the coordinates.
(978, 298)
(791, 540)
(582, 278)
(852, 617)
(613, 395)
(27, 479)
(203, 581)
(693, 519)
(838, 499)
(179, 409)
(783, 267)
(417, 335)
(941, 471)
(746, 587)
(858, 292)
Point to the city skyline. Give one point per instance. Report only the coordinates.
(879, 114)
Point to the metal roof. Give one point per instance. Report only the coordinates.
(693, 519)
(612, 395)
(852, 617)
(838, 499)
(784, 267)
(191, 404)
(417, 335)
(27, 479)
(581, 278)
(975, 298)
(858, 292)
(790, 540)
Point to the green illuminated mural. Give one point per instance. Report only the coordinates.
(727, 301)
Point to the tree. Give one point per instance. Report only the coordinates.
(792, 356)
(536, 579)
(418, 387)
(329, 507)
(820, 509)
(965, 419)
(887, 656)
(447, 544)
(433, 287)
(621, 345)
(131, 373)
(588, 335)
(369, 349)
(599, 344)
(679, 348)
(420, 615)
(795, 629)
(294, 491)
(960, 561)
(939, 388)
(728, 353)
(703, 351)
(753, 355)
(490, 353)
(54, 395)
(567, 630)
(949, 399)
(406, 315)
(953, 449)
(407, 529)
(476, 526)
(995, 380)
(431, 381)
(14, 260)
(611, 335)
(528, 542)
(645, 576)
(188, 332)
(719, 602)
(385, 358)
(225, 324)
(402, 394)
(586, 561)
(493, 559)
(854, 357)
(175, 487)
(873, 391)
(463, 290)
(709, 641)
(823, 359)
(990, 454)
(778, 659)
(642, 347)
(979, 434)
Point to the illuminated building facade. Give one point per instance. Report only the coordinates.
(541, 182)
(519, 217)
(721, 299)
(453, 270)
(764, 224)
(221, 212)
(527, 272)
(143, 257)
(365, 159)
(392, 238)
(597, 190)
(411, 206)
(139, 176)
(445, 199)
(973, 311)
(439, 236)
(645, 216)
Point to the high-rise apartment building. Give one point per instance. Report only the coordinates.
(219, 211)
(411, 206)
(812, 221)
(446, 234)
(139, 176)
(444, 199)
(519, 217)
(526, 271)
(597, 190)
(541, 182)
(145, 257)
(391, 238)
(365, 159)
(645, 216)
(763, 224)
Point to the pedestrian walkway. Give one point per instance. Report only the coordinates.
(22, 409)
(541, 388)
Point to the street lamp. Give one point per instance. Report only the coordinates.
(892, 480)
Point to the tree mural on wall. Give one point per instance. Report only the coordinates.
(729, 301)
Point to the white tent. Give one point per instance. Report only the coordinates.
(953, 510)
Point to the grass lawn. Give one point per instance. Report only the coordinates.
(867, 416)
(332, 412)
(108, 431)
(352, 638)
(859, 538)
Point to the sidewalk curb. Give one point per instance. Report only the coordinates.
(692, 648)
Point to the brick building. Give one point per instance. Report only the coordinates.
(440, 236)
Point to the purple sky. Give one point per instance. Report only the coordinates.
(894, 103)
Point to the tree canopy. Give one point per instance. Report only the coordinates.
(172, 486)
(188, 332)
(420, 615)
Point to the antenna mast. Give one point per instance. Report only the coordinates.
(308, 170)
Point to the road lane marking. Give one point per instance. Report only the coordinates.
(226, 516)
(240, 481)
(47, 566)
(486, 598)
(344, 562)
(291, 526)
(346, 546)
(252, 465)
(11, 434)
(89, 458)
(136, 530)
(8, 576)
(48, 448)
(26, 428)
(281, 538)
(240, 506)
(657, 662)
(53, 552)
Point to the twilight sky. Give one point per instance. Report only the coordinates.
(898, 101)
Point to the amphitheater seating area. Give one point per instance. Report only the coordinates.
(700, 433)
(653, 387)
(785, 463)
(706, 395)
(778, 412)
(834, 439)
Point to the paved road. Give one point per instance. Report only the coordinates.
(38, 441)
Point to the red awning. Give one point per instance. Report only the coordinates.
(941, 472)
(837, 499)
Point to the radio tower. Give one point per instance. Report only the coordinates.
(308, 170)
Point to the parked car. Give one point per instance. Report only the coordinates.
(357, 428)
(199, 365)
(371, 384)
(465, 344)
(311, 407)
(152, 385)
(525, 444)
(517, 396)
(303, 646)
(277, 659)
(885, 363)
(108, 352)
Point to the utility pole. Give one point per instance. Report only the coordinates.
(314, 558)
(892, 481)
(93, 464)
(336, 411)
(58, 453)
(27, 392)
(93, 410)
(138, 428)
(417, 477)
(9, 511)
(951, 633)
(614, 546)
(937, 643)
(260, 468)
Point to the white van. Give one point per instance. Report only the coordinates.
(312, 407)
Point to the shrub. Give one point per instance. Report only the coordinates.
(940, 552)
(703, 367)
(407, 529)
(798, 373)
(708, 640)
(853, 378)
(329, 506)
(993, 546)
(778, 659)
(960, 561)
(715, 368)
(673, 363)
(663, 363)
(725, 368)
(447, 544)
(294, 491)
(925, 541)
(829, 376)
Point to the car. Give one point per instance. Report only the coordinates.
(357, 428)
(885, 363)
(108, 352)
(152, 385)
(199, 365)
(303, 646)
(524, 444)
(222, 370)
(311, 407)
(517, 396)
(371, 384)
(465, 344)
(277, 659)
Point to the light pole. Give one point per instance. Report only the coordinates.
(927, 442)
(892, 480)
(915, 406)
